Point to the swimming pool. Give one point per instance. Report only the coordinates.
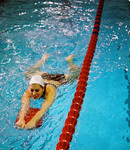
(29, 29)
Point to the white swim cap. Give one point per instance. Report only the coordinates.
(37, 79)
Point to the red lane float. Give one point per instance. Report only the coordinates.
(73, 114)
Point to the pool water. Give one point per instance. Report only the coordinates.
(30, 28)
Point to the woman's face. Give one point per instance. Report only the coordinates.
(36, 91)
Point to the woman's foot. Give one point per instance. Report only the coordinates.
(69, 59)
(73, 67)
(44, 57)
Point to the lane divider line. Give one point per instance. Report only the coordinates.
(73, 114)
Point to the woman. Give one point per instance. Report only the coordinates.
(43, 85)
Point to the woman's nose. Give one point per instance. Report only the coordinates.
(34, 93)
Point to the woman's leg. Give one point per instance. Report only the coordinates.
(32, 70)
(75, 70)
(73, 67)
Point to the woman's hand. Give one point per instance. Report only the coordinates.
(20, 123)
(30, 125)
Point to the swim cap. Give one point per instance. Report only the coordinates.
(36, 79)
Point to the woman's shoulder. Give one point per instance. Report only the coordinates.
(27, 92)
(51, 87)
(26, 96)
(50, 92)
(48, 86)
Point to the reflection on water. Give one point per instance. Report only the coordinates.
(30, 28)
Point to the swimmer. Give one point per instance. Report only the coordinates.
(43, 85)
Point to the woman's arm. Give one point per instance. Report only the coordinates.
(24, 107)
(50, 96)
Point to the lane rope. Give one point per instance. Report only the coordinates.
(73, 114)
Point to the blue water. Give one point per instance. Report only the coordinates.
(30, 28)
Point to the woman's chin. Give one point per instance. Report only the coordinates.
(35, 98)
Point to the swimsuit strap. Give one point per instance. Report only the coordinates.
(43, 95)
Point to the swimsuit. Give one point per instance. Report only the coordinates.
(55, 77)
(43, 95)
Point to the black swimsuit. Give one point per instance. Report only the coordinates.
(43, 95)
(55, 77)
